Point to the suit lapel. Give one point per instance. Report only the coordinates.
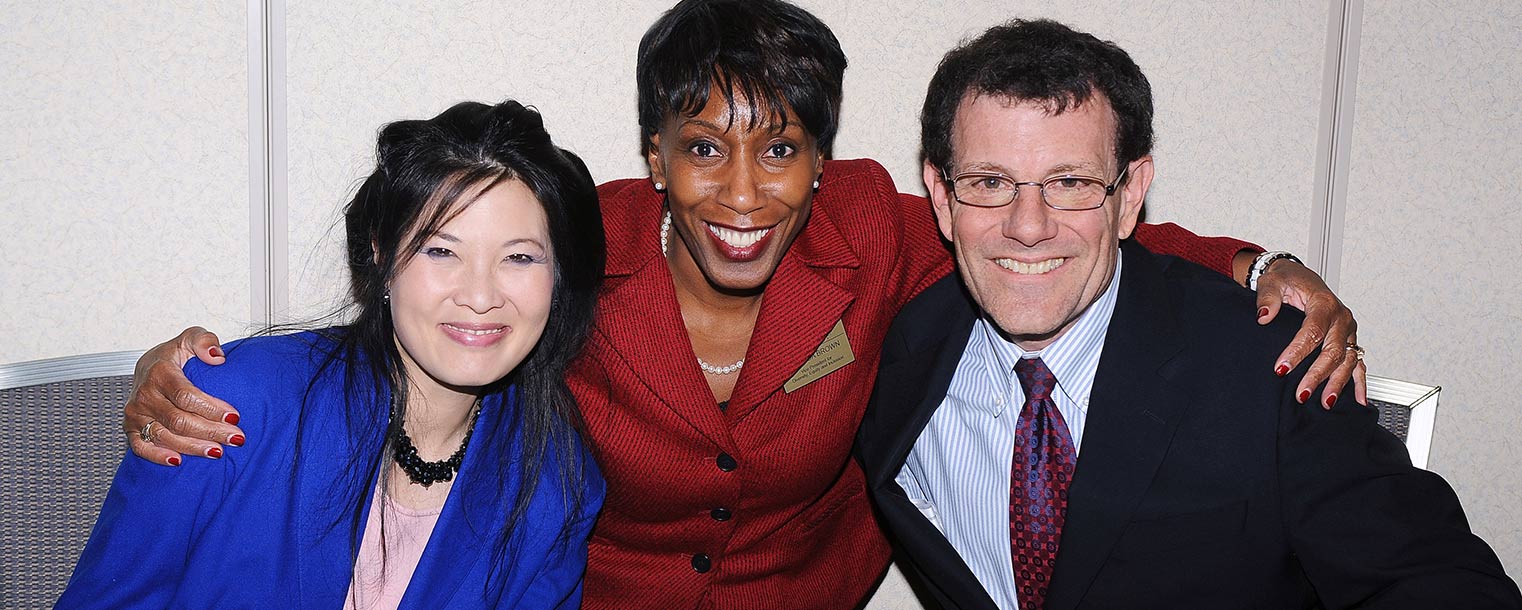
(638, 313)
(642, 320)
(1134, 410)
(909, 390)
(930, 553)
(480, 500)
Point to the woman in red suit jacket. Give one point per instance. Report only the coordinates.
(749, 284)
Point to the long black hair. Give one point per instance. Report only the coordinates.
(424, 170)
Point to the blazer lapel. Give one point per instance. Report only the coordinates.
(931, 554)
(466, 532)
(327, 492)
(1133, 412)
(798, 309)
(642, 322)
(909, 390)
(639, 316)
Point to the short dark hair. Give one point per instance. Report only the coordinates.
(1039, 61)
(775, 54)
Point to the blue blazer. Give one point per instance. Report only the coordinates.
(275, 524)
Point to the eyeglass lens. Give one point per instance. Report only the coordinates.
(1061, 192)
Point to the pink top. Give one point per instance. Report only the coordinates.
(377, 586)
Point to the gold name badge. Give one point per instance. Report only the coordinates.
(833, 353)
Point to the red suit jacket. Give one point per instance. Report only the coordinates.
(759, 505)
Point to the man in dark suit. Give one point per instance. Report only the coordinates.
(1078, 423)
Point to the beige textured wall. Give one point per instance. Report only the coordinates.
(1432, 257)
(351, 69)
(123, 174)
(1234, 112)
(131, 181)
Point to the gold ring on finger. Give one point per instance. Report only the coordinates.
(147, 433)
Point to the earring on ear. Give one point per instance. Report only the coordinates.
(386, 297)
(816, 184)
(660, 187)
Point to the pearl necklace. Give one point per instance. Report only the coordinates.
(720, 370)
(665, 232)
(711, 369)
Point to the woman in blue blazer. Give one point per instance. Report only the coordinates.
(426, 455)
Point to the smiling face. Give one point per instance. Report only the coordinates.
(471, 303)
(738, 193)
(1032, 268)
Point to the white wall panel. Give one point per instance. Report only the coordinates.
(1237, 115)
(1432, 259)
(1237, 88)
(355, 66)
(123, 179)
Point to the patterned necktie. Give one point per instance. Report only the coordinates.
(1040, 472)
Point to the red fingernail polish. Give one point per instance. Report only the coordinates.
(1262, 311)
(230, 419)
(216, 352)
(214, 452)
(1330, 400)
(235, 440)
(1304, 394)
(174, 460)
(1282, 369)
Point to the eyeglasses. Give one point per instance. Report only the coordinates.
(1060, 192)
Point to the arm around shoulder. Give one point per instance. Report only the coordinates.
(1216, 253)
(925, 257)
(1370, 529)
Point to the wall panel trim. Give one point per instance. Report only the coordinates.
(1334, 142)
(268, 193)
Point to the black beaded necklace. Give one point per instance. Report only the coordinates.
(421, 472)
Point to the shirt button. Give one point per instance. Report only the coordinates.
(720, 514)
(701, 563)
(726, 462)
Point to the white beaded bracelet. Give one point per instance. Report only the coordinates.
(1260, 264)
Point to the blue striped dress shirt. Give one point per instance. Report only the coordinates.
(958, 472)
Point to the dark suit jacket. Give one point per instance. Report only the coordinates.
(1201, 482)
